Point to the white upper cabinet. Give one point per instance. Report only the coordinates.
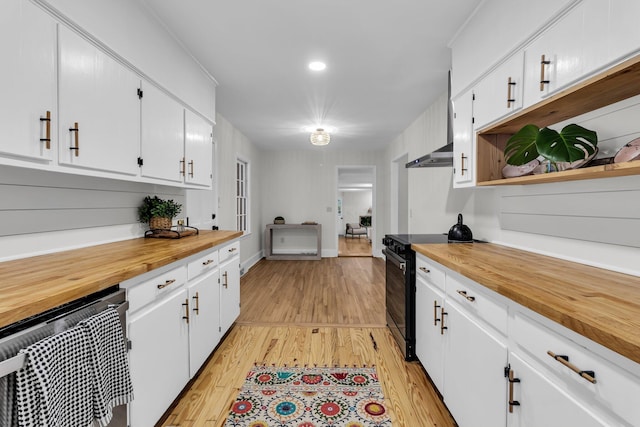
(500, 92)
(162, 135)
(463, 141)
(99, 108)
(198, 150)
(27, 81)
(624, 31)
(554, 59)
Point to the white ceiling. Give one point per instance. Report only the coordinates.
(387, 61)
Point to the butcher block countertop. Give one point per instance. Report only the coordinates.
(599, 304)
(30, 286)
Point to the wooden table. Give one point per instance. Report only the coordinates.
(268, 238)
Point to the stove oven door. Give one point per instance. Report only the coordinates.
(395, 294)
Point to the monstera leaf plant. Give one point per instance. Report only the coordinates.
(572, 144)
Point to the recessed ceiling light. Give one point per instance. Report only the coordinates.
(317, 66)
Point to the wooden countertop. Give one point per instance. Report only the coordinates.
(602, 305)
(30, 286)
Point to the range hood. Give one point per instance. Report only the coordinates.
(443, 156)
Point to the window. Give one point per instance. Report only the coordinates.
(242, 196)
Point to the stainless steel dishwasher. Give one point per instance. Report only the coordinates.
(21, 334)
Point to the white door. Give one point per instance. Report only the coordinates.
(159, 358)
(100, 95)
(162, 135)
(429, 343)
(204, 319)
(198, 145)
(27, 80)
(463, 146)
(474, 384)
(543, 403)
(229, 292)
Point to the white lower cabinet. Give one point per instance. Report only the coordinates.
(540, 402)
(159, 357)
(204, 319)
(429, 335)
(176, 319)
(229, 285)
(475, 357)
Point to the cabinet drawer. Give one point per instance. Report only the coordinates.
(145, 292)
(228, 251)
(202, 264)
(478, 301)
(614, 385)
(430, 272)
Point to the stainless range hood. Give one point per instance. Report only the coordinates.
(443, 156)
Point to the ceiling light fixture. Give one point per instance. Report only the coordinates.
(317, 66)
(319, 137)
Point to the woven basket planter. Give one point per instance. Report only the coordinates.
(158, 223)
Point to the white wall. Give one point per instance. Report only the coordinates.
(302, 186)
(231, 145)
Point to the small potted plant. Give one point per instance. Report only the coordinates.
(570, 148)
(158, 212)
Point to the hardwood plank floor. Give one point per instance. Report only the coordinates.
(354, 246)
(328, 312)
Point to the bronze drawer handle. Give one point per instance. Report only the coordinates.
(426, 270)
(543, 81)
(207, 262)
(76, 139)
(587, 375)
(47, 130)
(468, 297)
(166, 283)
(510, 99)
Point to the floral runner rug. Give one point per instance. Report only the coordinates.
(310, 397)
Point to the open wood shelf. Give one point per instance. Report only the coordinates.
(613, 85)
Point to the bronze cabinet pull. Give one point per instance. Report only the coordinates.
(166, 283)
(462, 168)
(512, 380)
(587, 375)
(47, 130)
(76, 138)
(442, 327)
(182, 167)
(197, 307)
(426, 270)
(435, 313)
(186, 311)
(464, 294)
(207, 262)
(510, 100)
(543, 81)
(191, 168)
(226, 278)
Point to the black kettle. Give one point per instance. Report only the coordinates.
(460, 232)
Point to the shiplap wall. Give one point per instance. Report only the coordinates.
(34, 201)
(602, 210)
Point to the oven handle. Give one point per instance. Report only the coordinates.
(395, 260)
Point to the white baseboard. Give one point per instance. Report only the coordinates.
(251, 261)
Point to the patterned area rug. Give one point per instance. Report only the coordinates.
(310, 397)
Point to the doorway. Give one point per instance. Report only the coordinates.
(355, 221)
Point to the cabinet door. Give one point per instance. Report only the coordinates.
(159, 358)
(555, 59)
(204, 319)
(463, 140)
(499, 93)
(162, 135)
(27, 80)
(198, 150)
(429, 348)
(229, 292)
(624, 31)
(474, 385)
(101, 96)
(543, 403)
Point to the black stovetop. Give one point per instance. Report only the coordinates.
(410, 239)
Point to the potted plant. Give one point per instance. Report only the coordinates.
(158, 212)
(570, 148)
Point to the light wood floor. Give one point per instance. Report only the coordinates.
(328, 312)
(354, 246)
